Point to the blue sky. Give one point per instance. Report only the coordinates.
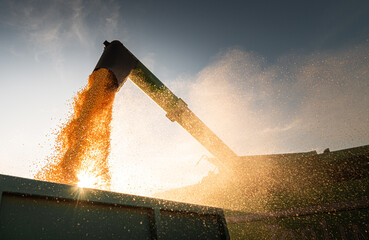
(266, 76)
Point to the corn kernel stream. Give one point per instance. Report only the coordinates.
(83, 143)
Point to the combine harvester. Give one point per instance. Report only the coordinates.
(308, 195)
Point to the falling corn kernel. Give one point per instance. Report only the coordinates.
(82, 144)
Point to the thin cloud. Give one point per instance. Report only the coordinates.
(50, 29)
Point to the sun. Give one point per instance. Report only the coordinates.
(86, 180)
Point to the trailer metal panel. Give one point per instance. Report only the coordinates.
(31, 209)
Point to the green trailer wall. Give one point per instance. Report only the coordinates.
(31, 209)
(343, 225)
(290, 196)
(339, 211)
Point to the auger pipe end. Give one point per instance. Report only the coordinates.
(118, 59)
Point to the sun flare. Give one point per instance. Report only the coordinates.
(85, 180)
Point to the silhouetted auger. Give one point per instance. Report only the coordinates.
(123, 64)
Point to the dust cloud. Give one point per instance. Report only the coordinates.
(298, 103)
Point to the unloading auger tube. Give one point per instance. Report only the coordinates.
(123, 64)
